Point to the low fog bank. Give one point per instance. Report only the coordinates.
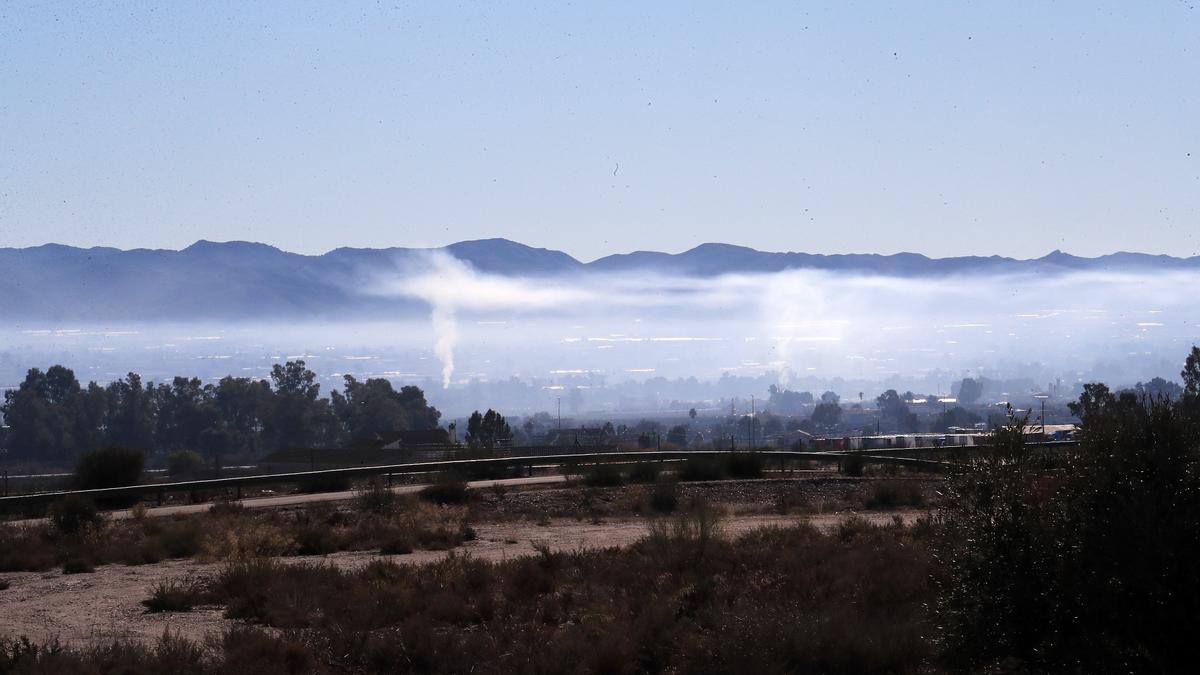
(637, 343)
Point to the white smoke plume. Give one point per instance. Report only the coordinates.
(450, 285)
(805, 321)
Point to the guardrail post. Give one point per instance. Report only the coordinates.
(160, 496)
(6, 482)
(389, 480)
(239, 492)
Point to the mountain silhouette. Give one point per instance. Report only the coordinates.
(243, 280)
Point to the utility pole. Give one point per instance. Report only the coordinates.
(559, 399)
(1043, 419)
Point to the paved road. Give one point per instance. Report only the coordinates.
(295, 499)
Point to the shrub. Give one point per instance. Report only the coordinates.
(890, 494)
(325, 483)
(251, 650)
(175, 596)
(185, 463)
(73, 514)
(398, 543)
(113, 466)
(684, 539)
(1083, 561)
(701, 468)
(603, 475)
(852, 464)
(645, 472)
(376, 500)
(744, 465)
(665, 496)
(317, 539)
(78, 566)
(445, 491)
(26, 549)
(244, 539)
(182, 539)
(228, 509)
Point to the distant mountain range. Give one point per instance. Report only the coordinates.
(234, 280)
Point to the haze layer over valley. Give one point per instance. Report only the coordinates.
(487, 321)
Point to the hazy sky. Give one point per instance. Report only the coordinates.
(938, 127)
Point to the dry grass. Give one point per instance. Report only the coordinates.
(229, 532)
(685, 599)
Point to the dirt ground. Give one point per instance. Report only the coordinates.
(105, 605)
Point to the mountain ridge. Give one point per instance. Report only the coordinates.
(244, 279)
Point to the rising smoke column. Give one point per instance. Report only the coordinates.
(451, 286)
(445, 337)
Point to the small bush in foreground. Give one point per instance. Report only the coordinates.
(73, 514)
(852, 464)
(175, 596)
(445, 491)
(77, 566)
(645, 472)
(686, 599)
(701, 468)
(665, 496)
(603, 475)
(744, 465)
(240, 650)
(325, 483)
(890, 494)
(26, 549)
(376, 500)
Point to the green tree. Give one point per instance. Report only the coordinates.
(186, 409)
(970, 391)
(826, 417)
(293, 416)
(956, 417)
(487, 430)
(894, 414)
(1191, 373)
(242, 405)
(131, 413)
(1082, 561)
(678, 435)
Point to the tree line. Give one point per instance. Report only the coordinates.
(52, 417)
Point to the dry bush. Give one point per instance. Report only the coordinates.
(891, 494)
(243, 539)
(26, 549)
(176, 596)
(170, 654)
(664, 497)
(446, 491)
(74, 513)
(77, 566)
(778, 600)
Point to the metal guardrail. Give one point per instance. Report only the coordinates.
(239, 482)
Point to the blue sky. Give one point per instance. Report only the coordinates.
(938, 127)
